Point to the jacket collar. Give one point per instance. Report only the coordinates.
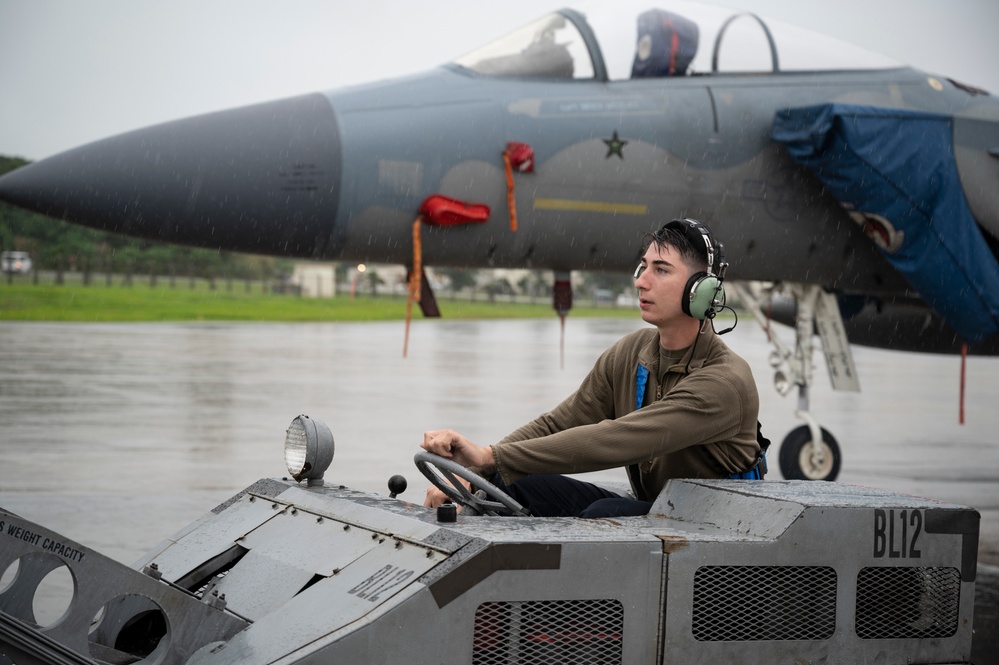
(692, 360)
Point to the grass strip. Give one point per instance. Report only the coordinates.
(141, 302)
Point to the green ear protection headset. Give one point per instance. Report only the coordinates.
(704, 291)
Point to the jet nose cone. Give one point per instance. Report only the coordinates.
(262, 178)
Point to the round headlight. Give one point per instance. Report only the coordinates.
(308, 449)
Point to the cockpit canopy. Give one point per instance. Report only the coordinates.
(634, 39)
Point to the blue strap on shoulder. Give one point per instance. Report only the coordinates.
(642, 380)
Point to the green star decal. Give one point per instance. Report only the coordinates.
(615, 146)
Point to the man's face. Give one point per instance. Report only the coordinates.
(661, 286)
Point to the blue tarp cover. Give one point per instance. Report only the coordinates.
(898, 167)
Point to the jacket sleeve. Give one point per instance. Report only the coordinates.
(591, 403)
(702, 408)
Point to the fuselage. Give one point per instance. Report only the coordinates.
(342, 175)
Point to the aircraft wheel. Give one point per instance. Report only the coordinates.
(800, 460)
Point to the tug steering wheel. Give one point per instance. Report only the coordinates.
(444, 475)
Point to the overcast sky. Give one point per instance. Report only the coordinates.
(74, 71)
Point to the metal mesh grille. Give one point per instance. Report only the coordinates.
(548, 632)
(907, 603)
(748, 603)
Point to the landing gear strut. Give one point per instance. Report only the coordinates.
(809, 452)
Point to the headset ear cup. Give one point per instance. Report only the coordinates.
(689, 292)
(702, 292)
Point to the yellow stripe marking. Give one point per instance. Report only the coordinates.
(591, 206)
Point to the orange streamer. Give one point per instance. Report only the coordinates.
(510, 200)
(414, 280)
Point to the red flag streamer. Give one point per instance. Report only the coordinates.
(414, 279)
(444, 211)
(436, 210)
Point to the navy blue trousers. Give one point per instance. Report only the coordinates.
(560, 496)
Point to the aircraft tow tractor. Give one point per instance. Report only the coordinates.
(302, 570)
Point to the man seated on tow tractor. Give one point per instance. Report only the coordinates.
(674, 402)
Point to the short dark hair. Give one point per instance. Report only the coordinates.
(669, 236)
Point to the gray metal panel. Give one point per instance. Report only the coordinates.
(562, 529)
(809, 493)
(99, 583)
(285, 554)
(214, 535)
(318, 544)
(260, 584)
(330, 608)
(843, 538)
(742, 513)
(419, 632)
(264, 488)
(369, 517)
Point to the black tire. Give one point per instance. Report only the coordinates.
(795, 453)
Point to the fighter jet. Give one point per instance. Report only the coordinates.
(854, 196)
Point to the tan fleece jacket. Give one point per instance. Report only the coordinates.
(699, 421)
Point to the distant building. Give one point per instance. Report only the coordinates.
(315, 280)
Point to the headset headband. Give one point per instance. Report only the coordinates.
(698, 235)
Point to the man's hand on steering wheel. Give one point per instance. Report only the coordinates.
(455, 482)
(453, 446)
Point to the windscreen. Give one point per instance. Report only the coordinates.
(551, 47)
(689, 38)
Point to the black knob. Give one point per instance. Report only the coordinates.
(447, 512)
(397, 485)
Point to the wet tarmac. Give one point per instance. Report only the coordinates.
(117, 435)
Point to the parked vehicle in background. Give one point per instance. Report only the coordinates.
(16, 262)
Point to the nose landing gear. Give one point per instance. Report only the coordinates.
(806, 457)
(809, 452)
